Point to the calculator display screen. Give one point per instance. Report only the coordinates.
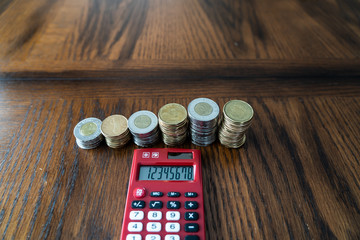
(166, 173)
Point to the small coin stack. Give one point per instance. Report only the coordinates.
(237, 119)
(173, 123)
(87, 133)
(203, 115)
(143, 126)
(116, 131)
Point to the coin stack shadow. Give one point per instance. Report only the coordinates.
(115, 130)
(143, 125)
(87, 133)
(203, 116)
(237, 118)
(173, 123)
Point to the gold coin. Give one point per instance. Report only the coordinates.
(142, 121)
(88, 128)
(114, 125)
(238, 111)
(172, 113)
(203, 109)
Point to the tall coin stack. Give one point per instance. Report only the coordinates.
(237, 119)
(143, 126)
(203, 115)
(115, 130)
(173, 123)
(87, 133)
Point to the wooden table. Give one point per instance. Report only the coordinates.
(295, 61)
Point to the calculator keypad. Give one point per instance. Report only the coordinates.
(155, 215)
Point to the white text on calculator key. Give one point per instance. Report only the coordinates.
(136, 215)
(172, 237)
(153, 237)
(153, 227)
(135, 227)
(172, 215)
(133, 237)
(154, 215)
(172, 227)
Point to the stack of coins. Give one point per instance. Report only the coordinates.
(203, 115)
(87, 133)
(116, 132)
(237, 119)
(143, 126)
(173, 123)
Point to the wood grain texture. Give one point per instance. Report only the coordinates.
(117, 38)
(297, 177)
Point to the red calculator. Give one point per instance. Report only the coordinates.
(165, 196)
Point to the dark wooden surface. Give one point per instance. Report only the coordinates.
(296, 62)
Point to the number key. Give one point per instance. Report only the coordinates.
(154, 215)
(172, 216)
(153, 227)
(172, 237)
(152, 237)
(172, 227)
(133, 237)
(135, 227)
(136, 215)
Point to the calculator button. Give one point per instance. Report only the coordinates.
(192, 237)
(156, 194)
(191, 205)
(172, 216)
(154, 215)
(172, 237)
(138, 204)
(173, 205)
(172, 227)
(153, 237)
(191, 216)
(135, 227)
(191, 227)
(156, 204)
(191, 194)
(173, 194)
(136, 215)
(153, 227)
(139, 192)
(133, 237)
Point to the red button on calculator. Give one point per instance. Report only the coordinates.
(165, 196)
(139, 192)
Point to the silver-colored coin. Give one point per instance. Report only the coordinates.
(88, 134)
(143, 125)
(203, 115)
(88, 129)
(203, 109)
